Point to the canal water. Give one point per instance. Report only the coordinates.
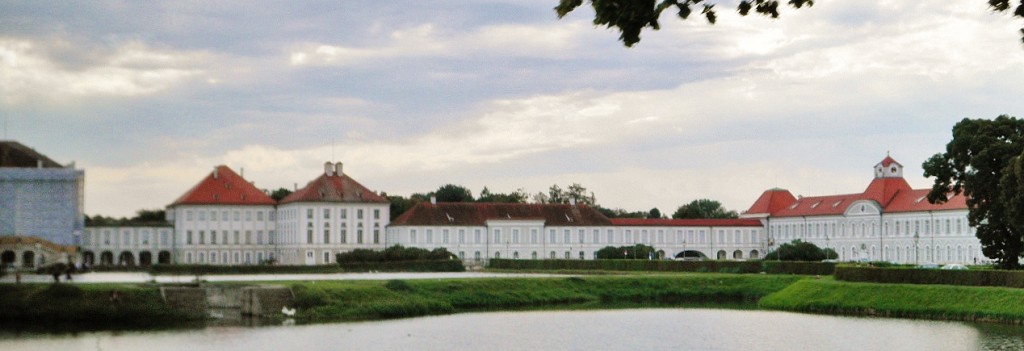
(648, 329)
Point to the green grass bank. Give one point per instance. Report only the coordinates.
(88, 306)
(940, 302)
(327, 301)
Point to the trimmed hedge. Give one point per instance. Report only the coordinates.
(1010, 279)
(771, 267)
(406, 266)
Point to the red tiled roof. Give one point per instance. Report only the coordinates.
(771, 200)
(888, 161)
(334, 188)
(662, 222)
(224, 187)
(818, 206)
(916, 200)
(883, 190)
(478, 213)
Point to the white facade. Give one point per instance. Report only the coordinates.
(224, 235)
(314, 232)
(127, 246)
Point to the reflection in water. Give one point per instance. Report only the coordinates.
(664, 329)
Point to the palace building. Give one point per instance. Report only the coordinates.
(226, 220)
(888, 221)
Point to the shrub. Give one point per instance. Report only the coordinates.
(784, 267)
(1012, 279)
(397, 285)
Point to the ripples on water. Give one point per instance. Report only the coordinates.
(657, 329)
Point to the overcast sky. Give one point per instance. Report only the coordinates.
(147, 97)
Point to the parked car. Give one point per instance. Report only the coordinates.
(928, 266)
(954, 267)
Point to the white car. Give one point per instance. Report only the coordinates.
(954, 267)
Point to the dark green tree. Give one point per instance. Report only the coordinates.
(798, 250)
(453, 193)
(703, 208)
(974, 164)
(149, 216)
(620, 213)
(630, 17)
(635, 252)
(518, 196)
(280, 194)
(575, 191)
(654, 213)
(400, 204)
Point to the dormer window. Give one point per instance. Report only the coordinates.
(837, 203)
(815, 205)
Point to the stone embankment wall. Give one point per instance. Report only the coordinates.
(249, 300)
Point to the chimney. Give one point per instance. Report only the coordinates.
(337, 169)
(572, 201)
(328, 168)
(433, 200)
(296, 186)
(215, 172)
(241, 172)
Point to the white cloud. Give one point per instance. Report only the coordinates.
(27, 72)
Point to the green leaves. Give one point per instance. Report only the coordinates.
(978, 163)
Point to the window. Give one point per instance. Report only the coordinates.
(309, 213)
(202, 237)
(462, 236)
(611, 236)
(476, 236)
(565, 237)
(515, 236)
(343, 235)
(259, 237)
(271, 215)
(534, 233)
(248, 216)
(551, 237)
(581, 234)
(343, 213)
(223, 217)
(359, 234)
(259, 216)
(497, 254)
(327, 257)
(309, 235)
(359, 214)
(376, 233)
(376, 214)
(497, 236)
(188, 215)
(237, 216)
(327, 236)
(430, 236)
(188, 238)
(237, 235)
(476, 256)
(327, 213)
(202, 215)
(412, 236)
(248, 237)
(444, 236)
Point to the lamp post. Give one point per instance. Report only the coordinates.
(827, 242)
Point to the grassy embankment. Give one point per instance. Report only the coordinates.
(91, 306)
(941, 302)
(368, 300)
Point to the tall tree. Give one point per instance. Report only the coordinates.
(703, 208)
(453, 193)
(149, 216)
(654, 213)
(575, 191)
(630, 17)
(280, 193)
(974, 164)
(518, 196)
